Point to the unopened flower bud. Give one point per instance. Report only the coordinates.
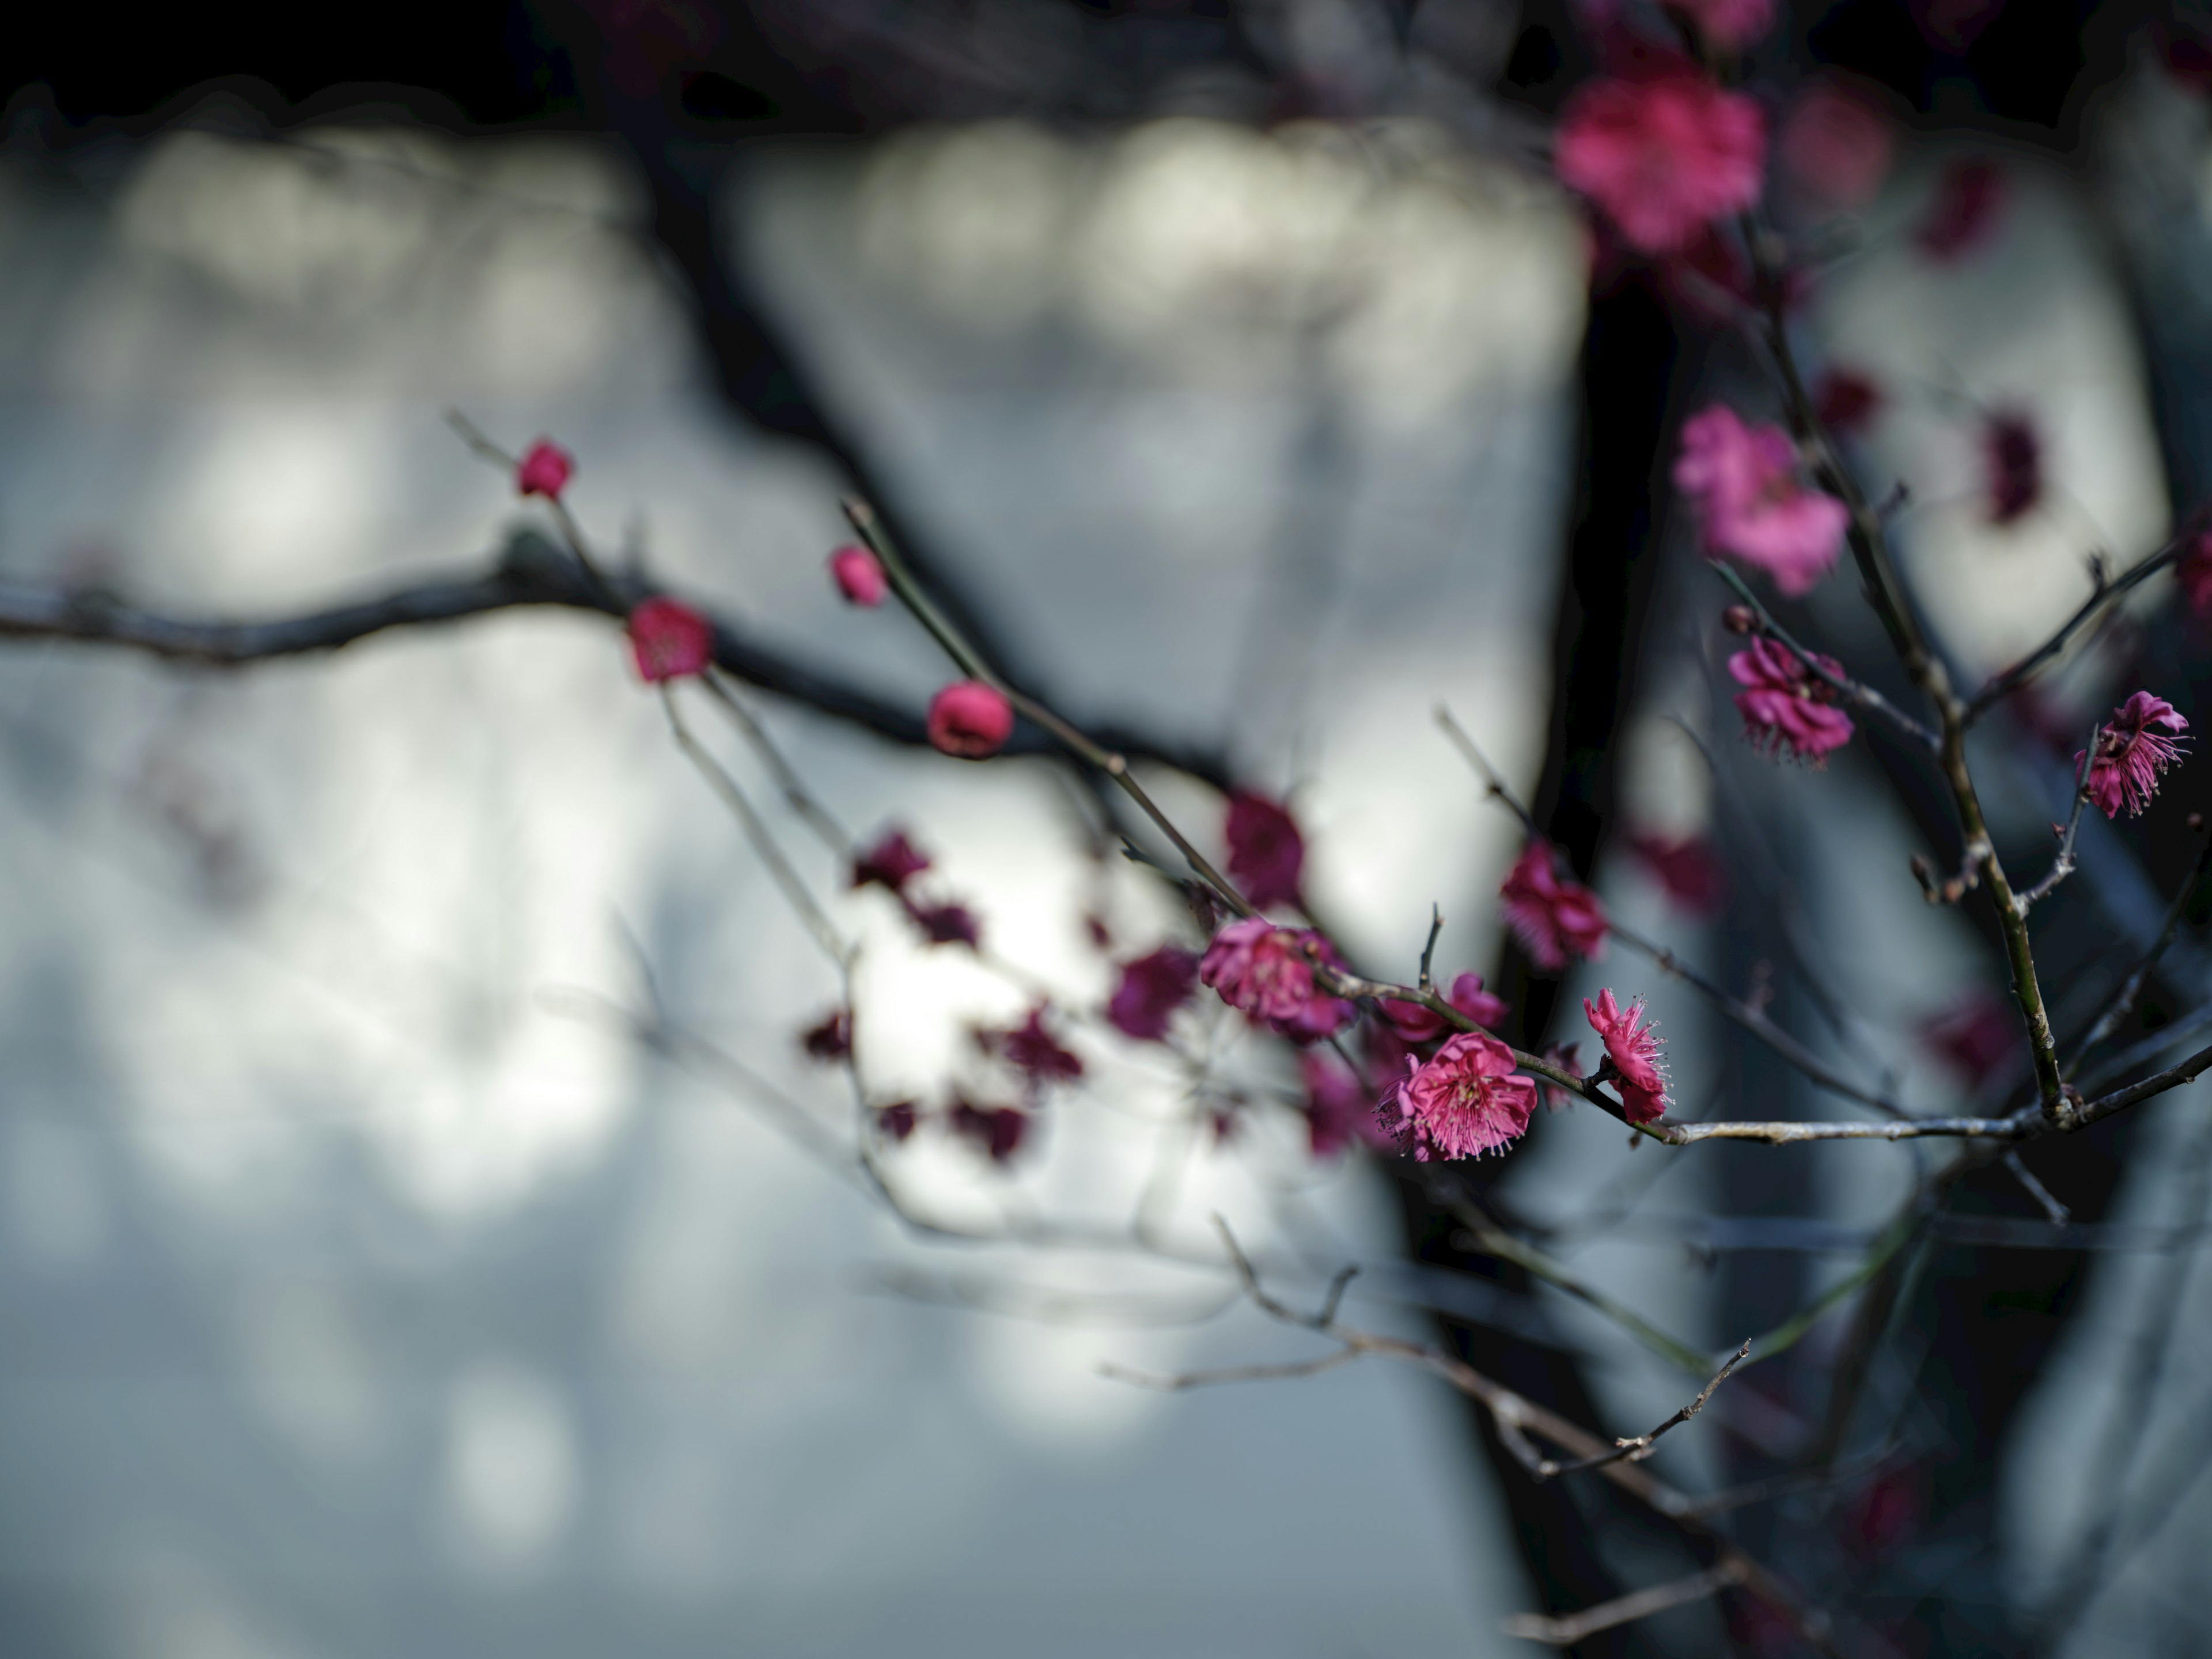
(1740, 619)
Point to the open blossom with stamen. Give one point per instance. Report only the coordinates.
(1750, 505)
(2130, 755)
(1419, 1025)
(1266, 851)
(670, 640)
(1463, 1103)
(1266, 971)
(1664, 155)
(1785, 706)
(1553, 916)
(1633, 1048)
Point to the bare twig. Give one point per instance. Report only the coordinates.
(2102, 595)
(1637, 1448)
(2124, 1002)
(2063, 866)
(1565, 1631)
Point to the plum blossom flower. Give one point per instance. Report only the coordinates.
(1553, 916)
(2193, 572)
(669, 639)
(1750, 505)
(1418, 1025)
(1152, 988)
(2012, 465)
(1689, 869)
(1266, 851)
(996, 1131)
(1340, 1110)
(1964, 213)
(859, 575)
(1461, 1104)
(1265, 970)
(1845, 401)
(832, 1039)
(1633, 1048)
(1663, 154)
(544, 470)
(946, 924)
(1731, 25)
(1784, 705)
(970, 720)
(1977, 1036)
(1837, 145)
(1032, 1050)
(2130, 755)
(889, 864)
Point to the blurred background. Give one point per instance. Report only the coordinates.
(372, 1290)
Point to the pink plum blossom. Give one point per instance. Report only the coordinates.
(1837, 145)
(1032, 1050)
(2130, 755)
(970, 720)
(1553, 916)
(2193, 572)
(996, 1131)
(889, 864)
(1419, 1025)
(544, 470)
(1751, 507)
(1633, 1048)
(1461, 1104)
(1964, 211)
(1266, 851)
(1689, 869)
(946, 924)
(2012, 465)
(1785, 706)
(1266, 971)
(1845, 401)
(859, 575)
(1663, 154)
(1340, 1110)
(669, 639)
(1152, 988)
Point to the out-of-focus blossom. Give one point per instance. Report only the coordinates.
(2193, 573)
(1689, 869)
(1964, 211)
(1265, 970)
(947, 924)
(896, 1122)
(2130, 753)
(1836, 146)
(1785, 706)
(1634, 1050)
(1568, 1057)
(1884, 1513)
(1266, 851)
(1750, 505)
(1845, 401)
(970, 720)
(1340, 1107)
(1032, 1050)
(832, 1039)
(544, 470)
(1553, 916)
(859, 575)
(669, 639)
(1730, 25)
(2012, 465)
(1977, 1036)
(996, 1131)
(1152, 988)
(1663, 154)
(1461, 1104)
(1419, 1025)
(890, 863)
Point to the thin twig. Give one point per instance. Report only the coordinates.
(2063, 866)
(1637, 1448)
(1565, 1631)
(2102, 593)
(2123, 1003)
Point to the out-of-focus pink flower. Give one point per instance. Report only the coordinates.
(859, 575)
(890, 863)
(1977, 1036)
(1553, 916)
(1463, 1103)
(1838, 146)
(1152, 988)
(1885, 1512)
(1265, 970)
(831, 1039)
(1663, 154)
(1845, 401)
(1633, 1048)
(1688, 869)
(1750, 505)
(970, 720)
(1032, 1050)
(896, 1122)
(2130, 755)
(544, 470)
(2012, 465)
(947, 924)
(1340, 1110)
(2193, 572)
(1964, 212)
(996, 1131)
(1785, 706)
(669, 639)
(1266, 851)
(1731, 25)
(1419, 1025)
(1568, 1057)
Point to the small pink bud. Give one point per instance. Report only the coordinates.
(1740, 619)
(545, 470)
(858, 576)
(670, 640)
(970, 720)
